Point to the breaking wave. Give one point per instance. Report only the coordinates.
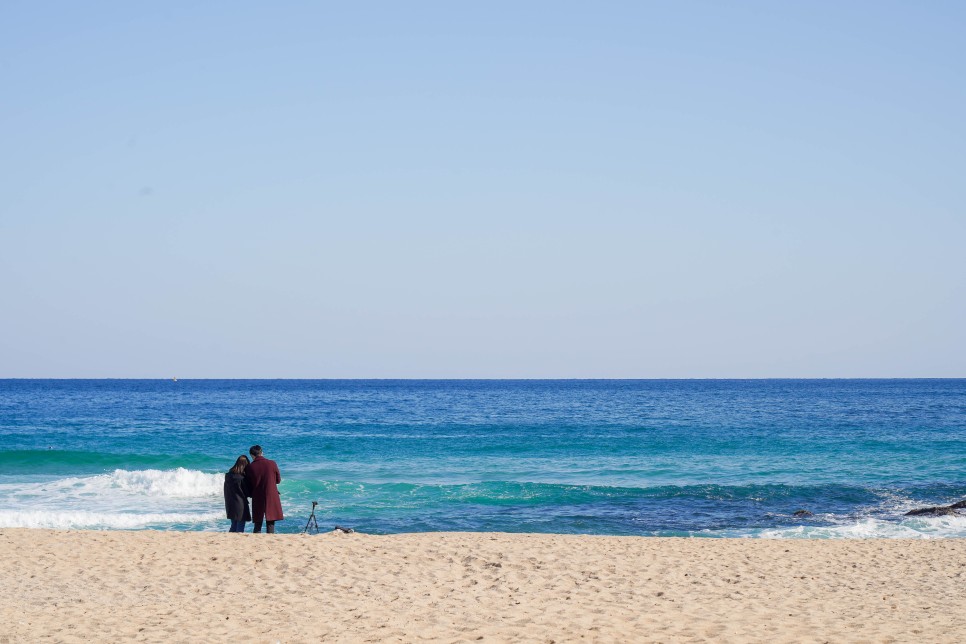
(123, 499)
(173, 483)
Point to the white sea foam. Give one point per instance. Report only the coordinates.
(123, 499)
(869, 528)
(180, 483)
(79, 519)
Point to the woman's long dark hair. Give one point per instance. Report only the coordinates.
(240, 465)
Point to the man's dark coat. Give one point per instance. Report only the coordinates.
(263, 478)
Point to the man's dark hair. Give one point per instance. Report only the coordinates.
(255, 450)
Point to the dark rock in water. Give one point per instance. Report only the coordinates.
(801, 513)
(938, 511)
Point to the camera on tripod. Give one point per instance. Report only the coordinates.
(311, 523)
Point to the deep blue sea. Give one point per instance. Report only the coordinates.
(716, 458)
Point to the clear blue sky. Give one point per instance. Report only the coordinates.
(490, 189)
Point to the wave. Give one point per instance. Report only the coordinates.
(872, 528)
(135, 492)
(122, 499)
(181, 482)
(176, 483)
(79, 519)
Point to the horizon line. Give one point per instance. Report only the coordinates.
(490, 379)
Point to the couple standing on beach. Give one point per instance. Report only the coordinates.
(257, 479)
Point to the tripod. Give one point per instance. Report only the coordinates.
(311, 523)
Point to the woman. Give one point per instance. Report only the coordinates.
(236, 495)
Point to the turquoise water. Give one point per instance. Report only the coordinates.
(678, 457)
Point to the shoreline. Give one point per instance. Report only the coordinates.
(450, 586)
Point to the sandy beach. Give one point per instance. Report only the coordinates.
(166, 586)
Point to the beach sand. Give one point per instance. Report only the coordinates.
(168, 586)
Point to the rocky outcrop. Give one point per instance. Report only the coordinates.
(801, 513)
(937, 511)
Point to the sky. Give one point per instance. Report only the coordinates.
(482, 190)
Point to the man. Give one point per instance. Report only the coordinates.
(262, 477)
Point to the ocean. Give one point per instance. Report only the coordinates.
(704, 458)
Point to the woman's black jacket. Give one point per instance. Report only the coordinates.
(236, 497)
